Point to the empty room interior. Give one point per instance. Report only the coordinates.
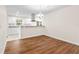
(39, 29)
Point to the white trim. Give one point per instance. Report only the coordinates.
(63, 39)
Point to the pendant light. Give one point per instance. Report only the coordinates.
(39, 17)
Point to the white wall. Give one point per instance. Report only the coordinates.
(32, 31)
(3, 28)
(14, 33)
(64, 24)
(25, 32)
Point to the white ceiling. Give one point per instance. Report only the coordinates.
(29, 9)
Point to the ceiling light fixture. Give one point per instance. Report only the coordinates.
(40, 15)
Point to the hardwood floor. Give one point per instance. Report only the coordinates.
(40, 45)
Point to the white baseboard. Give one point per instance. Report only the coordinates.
(49, 36)
(63, 39)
